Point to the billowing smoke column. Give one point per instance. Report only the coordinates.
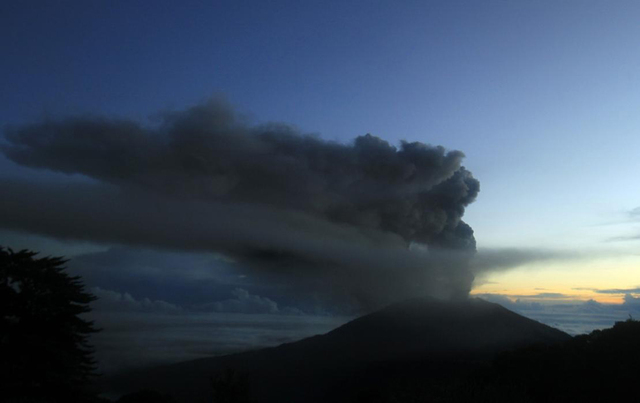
(367, 220)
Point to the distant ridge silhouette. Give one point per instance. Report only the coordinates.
(419, 332)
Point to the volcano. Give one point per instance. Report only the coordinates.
(420, 337)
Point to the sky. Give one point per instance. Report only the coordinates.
(541, 97)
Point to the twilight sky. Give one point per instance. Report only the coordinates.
(541, 97)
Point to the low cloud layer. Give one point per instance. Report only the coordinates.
(112, 301)
(566, 313)
(245, 302)
(142, 339)
(139, 332)
(626, 291)
(242, 301)
(366, 222)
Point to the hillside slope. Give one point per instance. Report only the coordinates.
(336, 365)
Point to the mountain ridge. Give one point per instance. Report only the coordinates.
(419, 331)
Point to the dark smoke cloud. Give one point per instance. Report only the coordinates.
(321, 214)
(489, 260)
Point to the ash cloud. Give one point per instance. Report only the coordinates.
(500, 259)
(319, 215)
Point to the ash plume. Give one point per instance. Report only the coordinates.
(366, 220)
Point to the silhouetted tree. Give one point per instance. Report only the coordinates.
(146, 396)
(231, 386)
(44, 355)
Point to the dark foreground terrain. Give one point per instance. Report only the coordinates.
(421, 350)
(418, 350)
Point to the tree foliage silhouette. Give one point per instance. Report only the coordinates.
(43, 340)
(231, 386)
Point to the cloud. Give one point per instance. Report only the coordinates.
(632, 302)
(624, 238)
(139, 331)
(488, 260)
(142, 338)
(634, 213)
(567, 314)
(206, 153)
(289, 207)
(635, 290)
(243, 303)
(630, 217)
(112, 301)
(181, 278)
(546, 295)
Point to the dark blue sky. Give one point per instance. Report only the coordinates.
(335, 67)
